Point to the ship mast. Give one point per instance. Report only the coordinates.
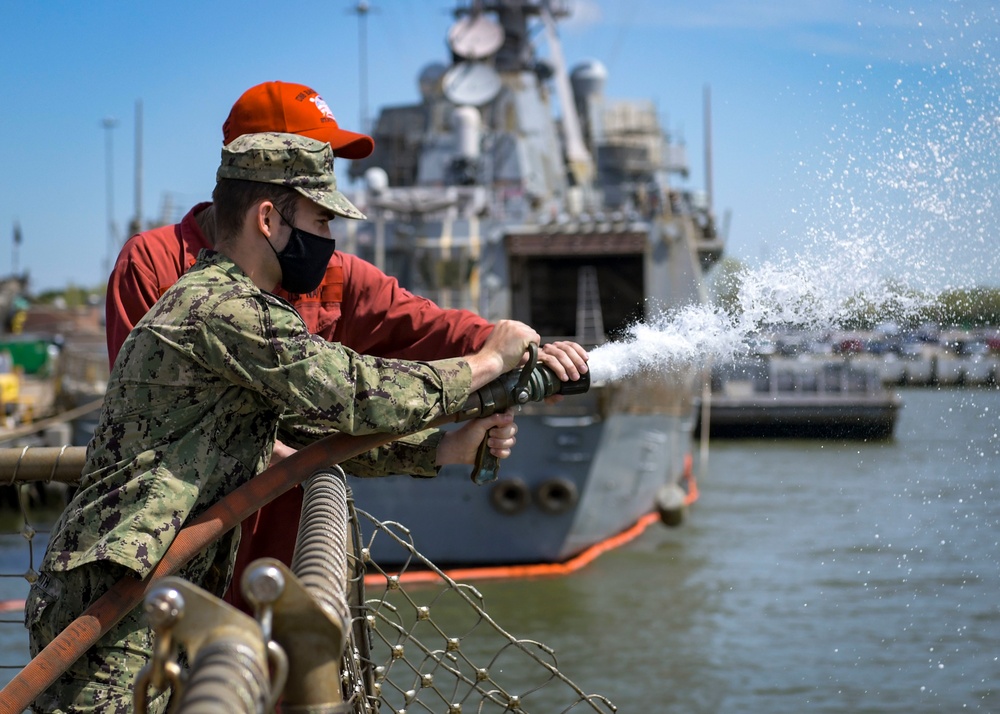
(361, 9)
(708, 146)
(137, 221)
(580, 162)
(109, 123)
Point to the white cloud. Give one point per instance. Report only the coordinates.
(876, 29)
(584, 14)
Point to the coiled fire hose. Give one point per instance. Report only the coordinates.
(534, 382)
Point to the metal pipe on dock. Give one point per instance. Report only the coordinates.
(63, 464)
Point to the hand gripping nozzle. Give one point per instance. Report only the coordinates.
(531, 383)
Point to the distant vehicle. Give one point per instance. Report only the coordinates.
(10, 390)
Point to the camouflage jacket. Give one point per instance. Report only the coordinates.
(193, 403)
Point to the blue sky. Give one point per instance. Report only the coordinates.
(837, 125)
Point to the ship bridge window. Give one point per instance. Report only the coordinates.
(545, 292)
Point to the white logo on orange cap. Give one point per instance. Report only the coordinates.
(324, 109)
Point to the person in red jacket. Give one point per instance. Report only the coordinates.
(357, 304)
(385, 319)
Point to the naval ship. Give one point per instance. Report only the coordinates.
(514, 188)
(479, 198)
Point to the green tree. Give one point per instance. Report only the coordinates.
(975, 307)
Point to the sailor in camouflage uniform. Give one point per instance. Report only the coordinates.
(193, 404)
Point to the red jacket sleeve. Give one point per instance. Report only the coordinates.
(132, 290)
(357, 305)
(380, 317)
(149, 263)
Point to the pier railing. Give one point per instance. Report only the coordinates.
(356, 637)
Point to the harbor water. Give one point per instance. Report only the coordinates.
(810, 576)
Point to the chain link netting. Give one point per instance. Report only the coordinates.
(430, 643)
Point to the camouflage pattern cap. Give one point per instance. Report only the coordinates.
(288, 160)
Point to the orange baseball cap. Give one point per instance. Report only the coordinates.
(292, 109)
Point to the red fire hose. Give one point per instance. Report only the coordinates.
(530, 384)
(213, 523)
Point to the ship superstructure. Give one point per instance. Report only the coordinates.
(516, 189)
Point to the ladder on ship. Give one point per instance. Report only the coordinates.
(589, 318)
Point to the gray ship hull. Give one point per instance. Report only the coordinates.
(571, 483)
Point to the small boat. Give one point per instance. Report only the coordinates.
(919, 365)
(966, 360)
(801, 398)
(979, 369)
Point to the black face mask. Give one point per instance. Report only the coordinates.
(303, 260)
